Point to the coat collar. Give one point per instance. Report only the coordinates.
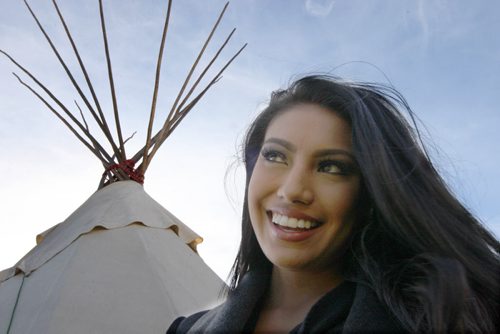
(232, 315)
(359, 306)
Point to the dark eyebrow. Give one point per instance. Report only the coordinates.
(289, 146)
(286, 144)
(335, 151)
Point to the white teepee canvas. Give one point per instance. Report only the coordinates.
(121, 263)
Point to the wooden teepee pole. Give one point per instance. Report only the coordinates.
(182, 113)
(148, 157)
(96, 151)
(100, 121)
(121, 156)
(80, 61)
(157, 85)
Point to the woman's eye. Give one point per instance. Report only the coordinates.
(274, 156)
(333, 167)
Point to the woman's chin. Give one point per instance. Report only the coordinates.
(291, 260)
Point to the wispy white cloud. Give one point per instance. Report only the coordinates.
(423, 21)
(319, 7)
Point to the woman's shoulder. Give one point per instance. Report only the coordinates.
(232, 314)
(369, 312)
(349, 308)
(182, 325)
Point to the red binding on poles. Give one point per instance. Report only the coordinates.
(127, 166)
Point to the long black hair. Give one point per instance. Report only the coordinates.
(425, 255)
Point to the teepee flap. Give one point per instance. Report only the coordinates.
(116, 206)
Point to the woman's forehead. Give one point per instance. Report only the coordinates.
(310, 124)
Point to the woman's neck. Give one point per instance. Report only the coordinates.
(291, 289)
(290, 297)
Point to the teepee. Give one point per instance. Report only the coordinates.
(120, 263)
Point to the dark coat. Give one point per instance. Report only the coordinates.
(350, 308)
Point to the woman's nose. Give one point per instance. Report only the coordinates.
(296, 187)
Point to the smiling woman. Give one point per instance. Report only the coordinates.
(300, 178)
(347, 226)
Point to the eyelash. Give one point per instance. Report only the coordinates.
(274, 156)
(270, 155)
(344, 168)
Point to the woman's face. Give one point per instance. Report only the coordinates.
(304, 188)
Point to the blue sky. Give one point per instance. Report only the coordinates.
(444, 56)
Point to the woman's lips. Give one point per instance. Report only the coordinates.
(296, 227)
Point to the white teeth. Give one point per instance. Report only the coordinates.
(292, 222)
(282, 220)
